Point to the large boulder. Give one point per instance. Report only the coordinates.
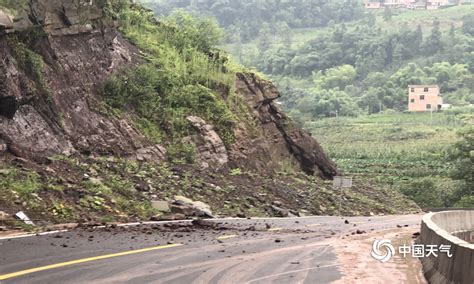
(190, 208)
(161, 205)
(6, 22)
(211, 148)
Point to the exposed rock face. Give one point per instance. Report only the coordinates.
(278, 139)
(56, 17)
(211, 148)
(61, 115)
(152, 153)
(65, 17)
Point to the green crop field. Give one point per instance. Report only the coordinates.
(404, 151)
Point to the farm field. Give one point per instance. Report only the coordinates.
(401, 151)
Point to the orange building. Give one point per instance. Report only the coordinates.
(424, 98)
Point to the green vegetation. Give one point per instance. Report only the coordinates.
(19, 183)
(95, 189)
(383, 65)
(405, 152)
(29, 61)
(180, 78)
(463, 158)
(13, 5)
(335, 62)
(383, 50)
(245, 20)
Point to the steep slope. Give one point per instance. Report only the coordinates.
(66, 154)
(80, 50)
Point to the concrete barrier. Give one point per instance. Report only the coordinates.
(440, 229)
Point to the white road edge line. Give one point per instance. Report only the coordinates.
(169, 222)
(98, 227)
(32, 235)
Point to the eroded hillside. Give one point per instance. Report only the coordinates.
(104, 110)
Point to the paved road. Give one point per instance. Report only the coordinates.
(290, 250)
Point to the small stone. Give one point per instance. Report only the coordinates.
(277, 203)
(278, 241)
(4, 215)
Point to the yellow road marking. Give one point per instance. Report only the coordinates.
(73, 262)
(227, 237)
(275, 229)
(313, 225)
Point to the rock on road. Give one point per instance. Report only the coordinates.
(271, 250)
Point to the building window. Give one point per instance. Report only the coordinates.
(412, 90)
(428, 106)
(422, 97)
(426, 90)
(412, 100)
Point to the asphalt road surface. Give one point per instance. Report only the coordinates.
(289, 250)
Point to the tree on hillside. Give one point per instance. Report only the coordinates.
(434, 43)
(387, 14)
(468, 25)
(335, 78)
(285, 34)
(327, 103)
(463, 157)
(201, 33)
(371, 19)
(418, 38)
(452, 30)
(264, 39)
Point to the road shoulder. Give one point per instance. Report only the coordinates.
(353, 253)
